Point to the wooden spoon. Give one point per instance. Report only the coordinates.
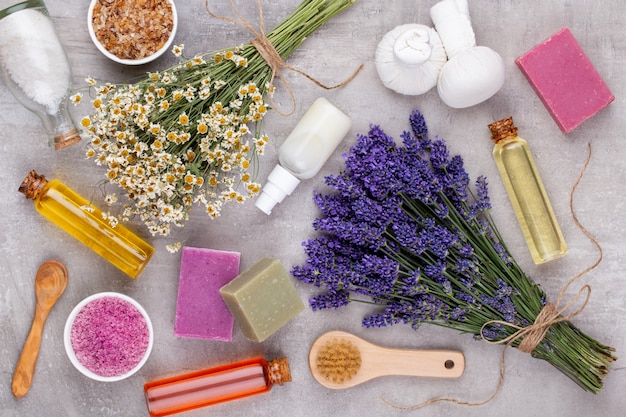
(50, 283)
(342, 360)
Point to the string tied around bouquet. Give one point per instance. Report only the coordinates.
(269, 53)
(549, 315)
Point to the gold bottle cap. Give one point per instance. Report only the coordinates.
(502, 129)
(278, 371)
(66, 139)
(32, 185)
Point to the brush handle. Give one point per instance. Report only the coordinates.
(426, 363)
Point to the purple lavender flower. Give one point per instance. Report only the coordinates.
(418, 124)
(332, 299)
(482, 195)
(494, 332)
(439, 156)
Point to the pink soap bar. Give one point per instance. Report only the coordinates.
(200, 310)
(565, 80)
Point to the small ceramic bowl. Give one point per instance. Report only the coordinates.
(124, 61)
(114, 321)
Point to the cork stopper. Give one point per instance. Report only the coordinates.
(32, 185)
(502, 129)
(66, 139)
(278, 371)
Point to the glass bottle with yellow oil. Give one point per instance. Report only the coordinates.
(72, 213)
(527, 193)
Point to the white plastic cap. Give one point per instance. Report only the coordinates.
(280, 184)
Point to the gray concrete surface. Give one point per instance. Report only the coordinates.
(531, 388)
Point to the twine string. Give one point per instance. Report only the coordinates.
(269, 53)
(549, 315)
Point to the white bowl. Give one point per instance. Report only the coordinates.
(141, 61)
(70, 350)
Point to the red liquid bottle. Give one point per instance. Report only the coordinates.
(215, 385)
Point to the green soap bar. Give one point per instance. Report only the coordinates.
(262, 299)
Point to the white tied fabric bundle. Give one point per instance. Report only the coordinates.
(411, 59)
(473, 73)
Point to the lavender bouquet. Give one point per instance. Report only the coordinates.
(403, 230)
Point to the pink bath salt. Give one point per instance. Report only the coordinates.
(200, 310)
(565, 80)
(109, 336)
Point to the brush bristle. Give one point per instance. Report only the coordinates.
(338, 360)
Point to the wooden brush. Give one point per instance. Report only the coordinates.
(342, 360)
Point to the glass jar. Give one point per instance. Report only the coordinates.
(76, 216)
(527, 193)
(215, 385)
(35, 68)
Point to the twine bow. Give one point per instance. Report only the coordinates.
(271, 56)
(549, 315)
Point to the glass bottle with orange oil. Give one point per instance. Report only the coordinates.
(215, 385)
(527, 193)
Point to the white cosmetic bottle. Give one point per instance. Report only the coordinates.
(304, 152)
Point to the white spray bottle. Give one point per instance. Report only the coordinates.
(304, 152)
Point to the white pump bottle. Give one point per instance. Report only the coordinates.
(304, 152)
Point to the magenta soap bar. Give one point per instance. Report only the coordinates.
(200, 310)
(565, 80)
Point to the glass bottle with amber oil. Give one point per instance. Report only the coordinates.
(72, 213)
(527, 193)
(215, 385)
